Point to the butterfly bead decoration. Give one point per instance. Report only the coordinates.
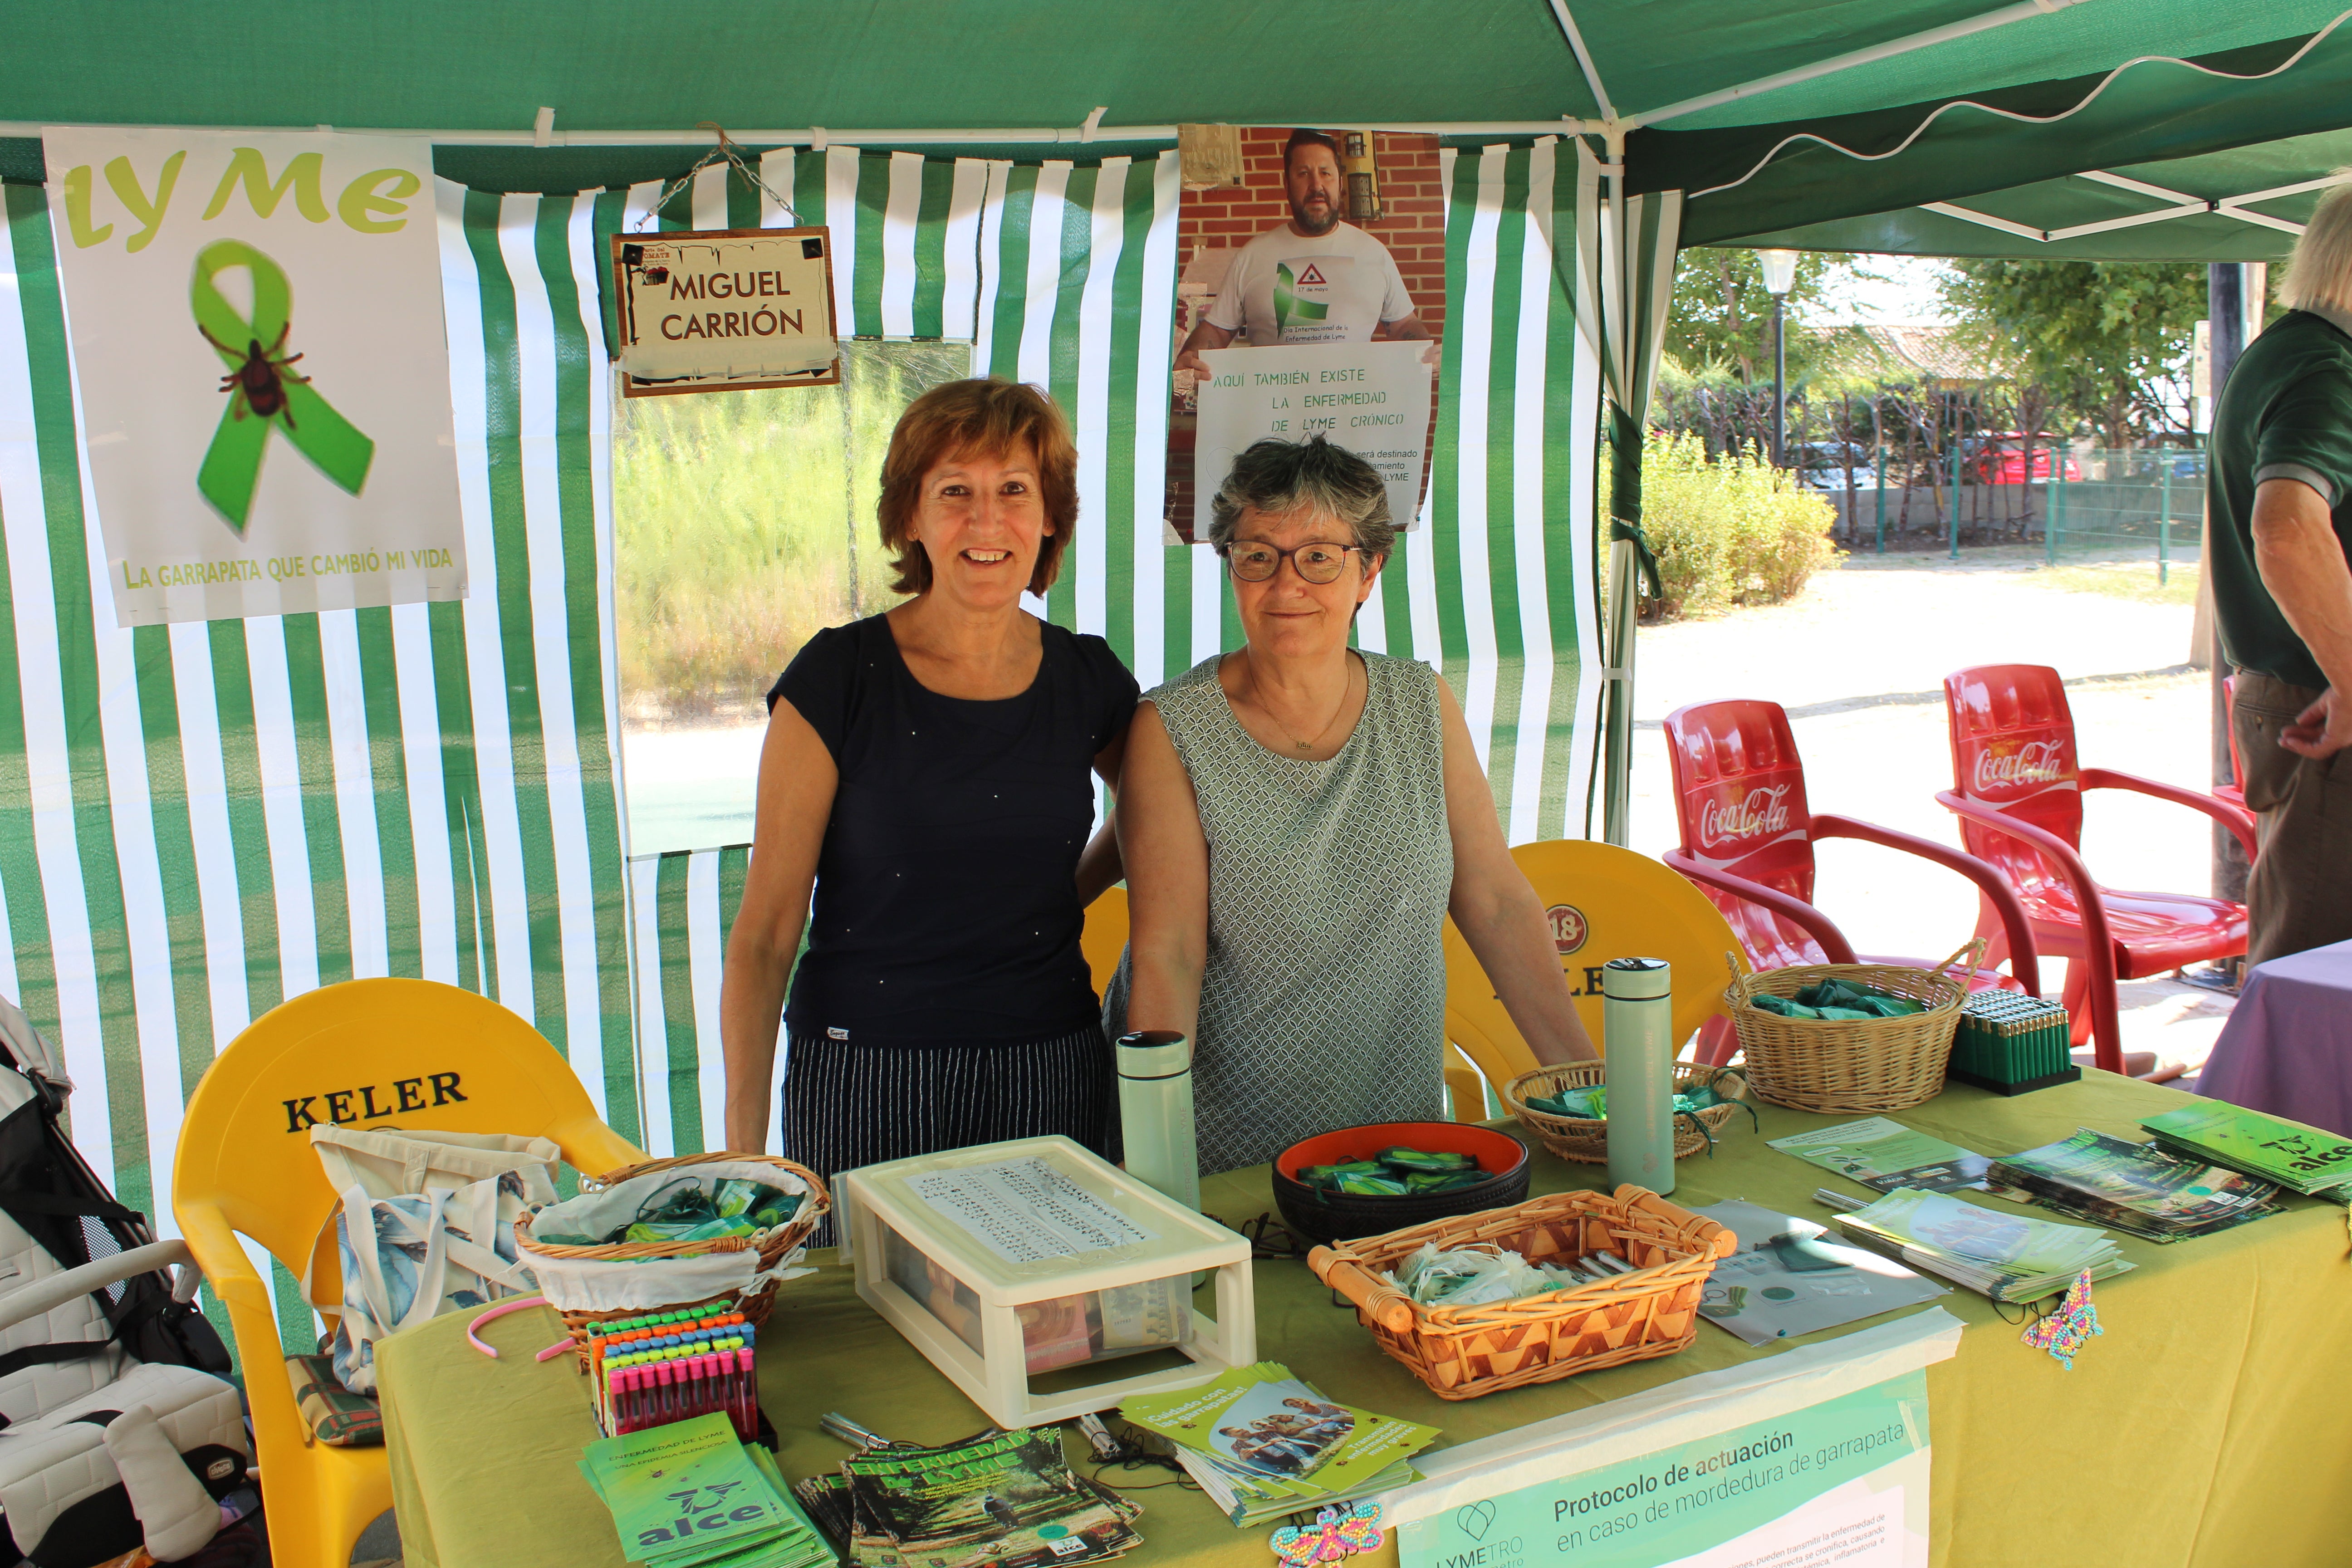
(2065, 1331)
(1332, 1536)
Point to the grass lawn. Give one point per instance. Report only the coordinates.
(2134, 580)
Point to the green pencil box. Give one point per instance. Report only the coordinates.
(2012, 1044)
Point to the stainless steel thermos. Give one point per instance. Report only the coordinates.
(1637, 1043)
(1155, 1107)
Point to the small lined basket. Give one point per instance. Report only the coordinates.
(1836, 1065)
(772, 1245)
(1586, 1139)
(1461, 1352)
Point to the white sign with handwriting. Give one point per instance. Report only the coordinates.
(1371, 398)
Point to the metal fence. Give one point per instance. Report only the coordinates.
(2133, 504)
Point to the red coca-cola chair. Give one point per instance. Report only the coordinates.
(2232, 793)
(1748, 837)
(2018, 791)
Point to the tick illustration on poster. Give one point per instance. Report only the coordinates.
(262, 389)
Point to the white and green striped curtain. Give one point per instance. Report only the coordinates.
(197, 822)
(1624, 279)
(1063, 274)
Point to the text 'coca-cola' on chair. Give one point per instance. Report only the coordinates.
(1748, 836)
(2018, 788)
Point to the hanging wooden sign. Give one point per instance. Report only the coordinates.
(724, 309)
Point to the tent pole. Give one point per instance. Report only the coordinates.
(812, 136)
(1617, 734)
(2225, 307)
(2025, 11)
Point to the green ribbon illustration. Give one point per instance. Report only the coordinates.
(1287, 305)
(264, 392)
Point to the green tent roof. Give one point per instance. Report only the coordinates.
(1930, 126)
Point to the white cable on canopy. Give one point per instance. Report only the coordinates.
(2088, 98)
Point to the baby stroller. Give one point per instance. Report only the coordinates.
(92, 1328)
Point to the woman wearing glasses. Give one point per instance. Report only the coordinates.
(1297, 819)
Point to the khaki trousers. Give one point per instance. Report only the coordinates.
(2300, 894)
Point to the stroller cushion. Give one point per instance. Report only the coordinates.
(31, 1390)
(55, 1460)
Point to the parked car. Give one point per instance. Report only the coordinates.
(2187, 462)
(2001, 459)
(1830, 464)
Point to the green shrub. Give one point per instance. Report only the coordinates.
(1736, 531)
(743, 523)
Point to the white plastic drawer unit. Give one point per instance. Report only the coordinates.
(1031, 1255)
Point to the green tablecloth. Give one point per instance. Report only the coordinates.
(2211, 1425)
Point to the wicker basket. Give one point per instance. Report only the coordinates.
(1461, 1352)
(773, 1245)
(1579, 1138)
(1837, 1066)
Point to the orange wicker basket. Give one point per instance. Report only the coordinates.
(772, 1245)
(1461, 1352)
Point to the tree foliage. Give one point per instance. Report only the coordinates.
(1722, 313)
(2108, 339)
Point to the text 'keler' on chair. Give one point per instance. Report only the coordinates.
(411, 1053)
(2018, 788)
(1748, 837)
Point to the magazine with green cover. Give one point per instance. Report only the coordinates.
(2305, 1159)
(1883, 1154)
(685, 1494)
(1216, 1433)
(2138, 1188)
(1007, 1500)
(1236, 1416)
(2006, 1256)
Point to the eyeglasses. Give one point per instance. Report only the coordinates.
(1316, 561)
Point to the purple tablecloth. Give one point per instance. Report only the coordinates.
(2287, 1047)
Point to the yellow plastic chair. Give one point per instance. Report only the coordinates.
(374, 1053)
(1603, 902)
(1105, 936)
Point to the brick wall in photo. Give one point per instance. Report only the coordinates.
(1412, 225)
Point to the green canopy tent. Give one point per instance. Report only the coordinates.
(2088, 128)
(1932, 125)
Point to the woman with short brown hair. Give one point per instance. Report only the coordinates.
(926, 772)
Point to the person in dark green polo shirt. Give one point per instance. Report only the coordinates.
(2279, 497)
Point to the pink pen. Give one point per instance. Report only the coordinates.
(698, 1386)
(617, 1399)
(750, 1391)
(731, 1381)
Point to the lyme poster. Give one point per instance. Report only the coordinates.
(255, 328)
(1311, 301)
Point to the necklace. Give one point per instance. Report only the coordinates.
(1258, 701)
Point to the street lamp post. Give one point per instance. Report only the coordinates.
(1779, 274)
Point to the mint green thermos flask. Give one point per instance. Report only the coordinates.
(1155, 1112)
(1637, 1012)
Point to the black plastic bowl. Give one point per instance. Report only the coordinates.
(1327, 1218)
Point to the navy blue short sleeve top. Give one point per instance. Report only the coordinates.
(946, 908)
